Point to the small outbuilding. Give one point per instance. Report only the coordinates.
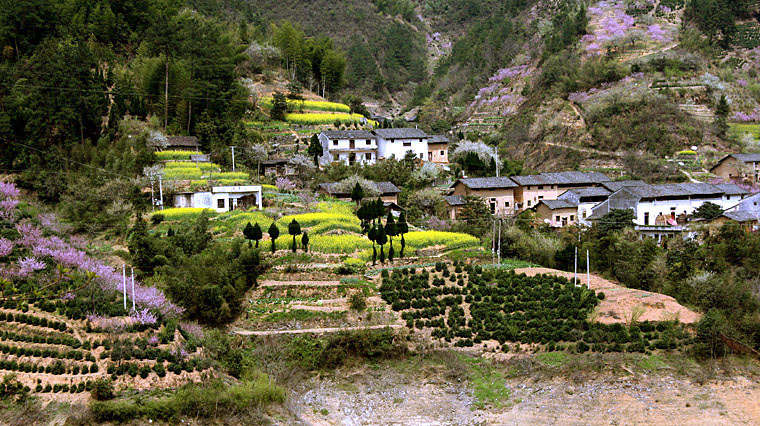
(221, 198)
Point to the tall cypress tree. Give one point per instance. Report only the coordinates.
(391, 230)
(403, 228)
(273, 232)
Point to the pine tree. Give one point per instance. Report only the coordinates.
(294, 229)
(305, 242)
(372, 235)
(248, 231)
(391, 230)
(273, 232)
(721, 116)
(357, 194)
(381, 239)
(403, 228)
(315, 149)
(257, 234)
(279, 107)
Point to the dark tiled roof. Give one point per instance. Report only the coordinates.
(731, 189)
(189, 141)
(402, 133)
(558, 204)
(438, 139)
(454, 200)
(348, 134)
(384, 187)
(561, 178)
(747, 158)
(678, 190)
(615, 185)
(576, 195)
(387, 188)
(487, 183)
(741, 216)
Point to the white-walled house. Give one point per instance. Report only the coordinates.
(221, 198)
(397, 142)
(348, 146)
(657, 207)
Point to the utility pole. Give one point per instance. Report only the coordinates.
(497, 162)
(133, 289)
(575, 278)
(124, 283)
(233, 158)
(161, 190)
(152, 198)
(493, 246)
(588, 271)
(498, 252)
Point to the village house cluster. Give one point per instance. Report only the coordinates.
(578, 198)
(559, 199)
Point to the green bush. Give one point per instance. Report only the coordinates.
(102, 389)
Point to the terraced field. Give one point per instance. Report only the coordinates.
(61, 358)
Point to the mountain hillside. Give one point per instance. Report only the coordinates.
(640, 84)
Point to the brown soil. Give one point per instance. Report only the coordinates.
(389, 395)
(621, 304)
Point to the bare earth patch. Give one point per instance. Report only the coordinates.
(391, 397)
(621, 303)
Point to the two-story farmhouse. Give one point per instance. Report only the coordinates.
(738, 167)
(498, 192)
(438, 149)
(348, 146)
(572, 206)
(532, 189)
(395, 143)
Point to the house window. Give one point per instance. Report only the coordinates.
(646, 218)
(585, 213)
(422, 156)
(368, 156)
(393, 140)
(420, 139)
(572, 217)
(443, 152)
(407, 144)
(506, 204)
(556, 219)
(528, 203)
(335, 143)
(369, 142)
(541, 187)
(220, 203)
(540, 197)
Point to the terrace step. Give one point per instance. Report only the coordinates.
(273, 283)
(699, 112)
(315, 330)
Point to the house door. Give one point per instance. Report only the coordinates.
(351, 158)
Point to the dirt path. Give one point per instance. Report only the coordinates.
(272, 283)
(621, 304)
(586, 150)
(314, 330)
